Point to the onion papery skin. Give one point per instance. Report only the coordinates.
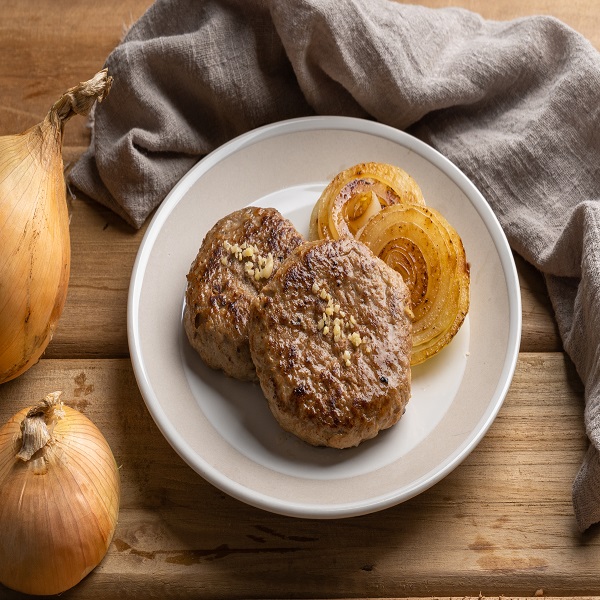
(59, 510)
(426, 250)
(34, 234)
(333, 214)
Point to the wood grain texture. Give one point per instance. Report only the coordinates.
(581, 15)
(49, 46)
(500, 525)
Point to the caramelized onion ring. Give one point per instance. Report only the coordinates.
(424, 248)
(356, 195)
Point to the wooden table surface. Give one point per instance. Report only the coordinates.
(501, 524)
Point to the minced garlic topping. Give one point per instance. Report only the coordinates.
(346, 358)
(257, 266)
(338, 326)
(355, 339)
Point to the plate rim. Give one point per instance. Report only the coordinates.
(506, 259)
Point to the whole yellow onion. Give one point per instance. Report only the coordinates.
(34, 230)
(60, 494)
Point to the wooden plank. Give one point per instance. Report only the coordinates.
(46, 51)
(501, 523)
(48, 47)
(103, 251)
(104, 248)
(581, 15)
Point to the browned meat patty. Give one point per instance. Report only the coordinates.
(238, 256)
(330, 336)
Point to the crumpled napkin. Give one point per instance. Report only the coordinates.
(514, 104)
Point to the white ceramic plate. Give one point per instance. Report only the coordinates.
(223, 428)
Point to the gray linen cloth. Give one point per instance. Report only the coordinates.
(514, 104)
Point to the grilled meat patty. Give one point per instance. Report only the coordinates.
(237, 257)
(330, 336)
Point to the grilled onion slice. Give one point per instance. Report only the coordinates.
(424, 248)
(356, 195)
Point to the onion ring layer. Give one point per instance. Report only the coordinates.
(425, 249)
(356, 195)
